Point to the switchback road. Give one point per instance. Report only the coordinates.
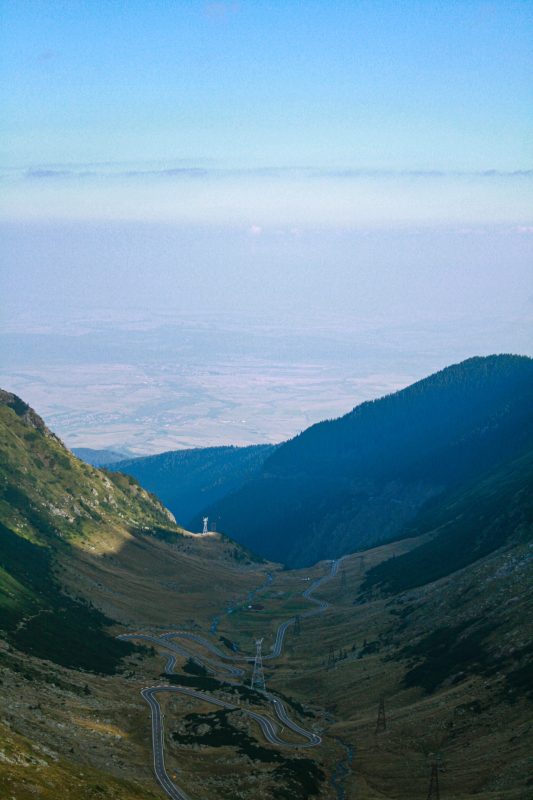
(269, 727)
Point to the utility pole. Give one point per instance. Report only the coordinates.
(258, 676)
(434, 791)
(206, 520)
(343, 579)
(381, 722)
(331, 658)
(297, 626)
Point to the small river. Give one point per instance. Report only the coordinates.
(342, 770)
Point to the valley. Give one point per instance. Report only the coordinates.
(393, 662)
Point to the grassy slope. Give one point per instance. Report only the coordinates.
(82, 550)
(101, 535)
(51, 505)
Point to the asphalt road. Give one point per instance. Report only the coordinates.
(214, 667)
(269, 728)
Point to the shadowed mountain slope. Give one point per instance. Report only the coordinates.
(361, 479)
(189, 480)
(465, 526)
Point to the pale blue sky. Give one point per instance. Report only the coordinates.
(394, 85)
(101, 99)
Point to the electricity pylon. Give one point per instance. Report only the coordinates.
(206, 520)
(343, 580)
(381, 722)
(258, 676)
(434, 791)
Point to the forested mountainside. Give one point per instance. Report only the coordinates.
(189, 480)
(361, 479)
(463, 526)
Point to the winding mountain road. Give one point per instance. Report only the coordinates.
(269, 727)
(214, 667)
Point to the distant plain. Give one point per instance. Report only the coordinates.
(148, 383)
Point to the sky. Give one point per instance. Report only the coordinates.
(353, 164)
(261, 113)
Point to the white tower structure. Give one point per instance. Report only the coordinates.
(258, 677)
(206, 520)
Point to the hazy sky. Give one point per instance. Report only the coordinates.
(268, 113)
(356, 163)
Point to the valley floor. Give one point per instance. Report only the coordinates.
(75, 735)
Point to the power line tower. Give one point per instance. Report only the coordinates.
(213, 527)
(343, 579)
(331, 658)
(258, 676)
(206, 520)
(297, 625)
(434, 791)
(381, 722)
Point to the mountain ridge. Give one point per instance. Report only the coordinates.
(334, 487)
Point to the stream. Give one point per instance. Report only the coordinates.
(342, 770)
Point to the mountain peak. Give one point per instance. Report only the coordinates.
(26, 413)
